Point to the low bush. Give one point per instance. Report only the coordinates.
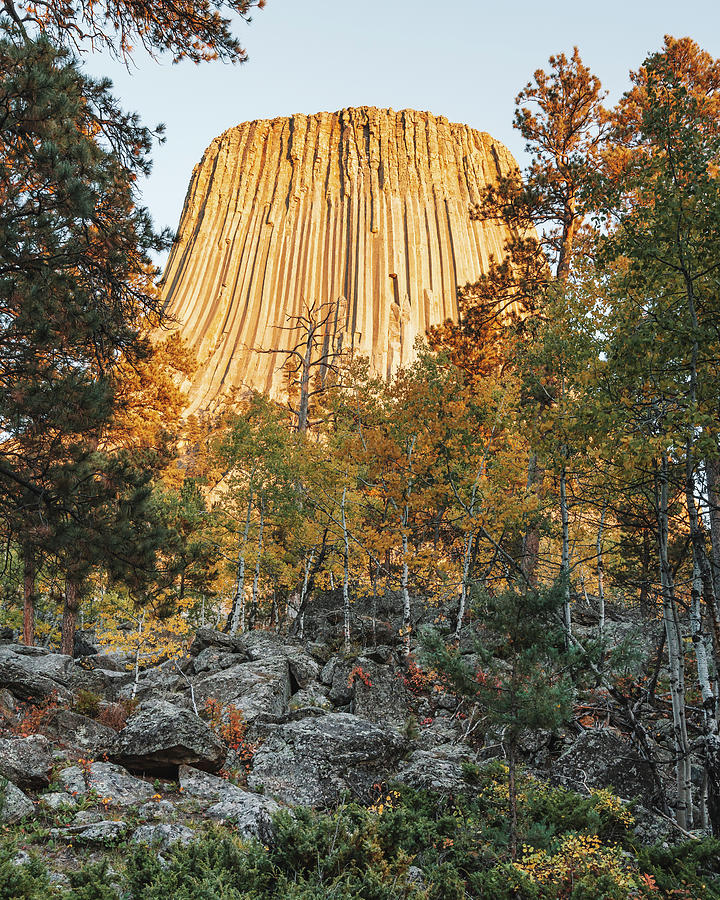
(412, 845)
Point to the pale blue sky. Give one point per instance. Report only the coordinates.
(464, 59)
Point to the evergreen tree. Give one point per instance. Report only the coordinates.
(75, 281)
(522, 682)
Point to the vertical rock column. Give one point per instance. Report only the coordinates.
(365, 204)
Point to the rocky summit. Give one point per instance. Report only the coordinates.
(364, 210)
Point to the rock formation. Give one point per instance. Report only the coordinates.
(364, 208)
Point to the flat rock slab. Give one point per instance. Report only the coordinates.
(380, 694)
(57, 800)
(160, 736)
(313, 762)
(108, 781)
(26, 761)
(250, 814)
(103, 833)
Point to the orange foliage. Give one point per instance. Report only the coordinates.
(359, 672)
(228, 723)
(35, 716)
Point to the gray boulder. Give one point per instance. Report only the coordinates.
(14, 805)
(163, 835)
(263, 645)
(381, 695)
(250, 813)
(104, 833)
(164, 678)
(342, 689)
(439, 769)
(257, 688)
(107, 683)
(314, 761)
(160, 736)
(209, 637)
(203, 786)
(157, 811)
(56, 800)
(110, 782)
(73, 730)
(314, 696)
(35, 677)
(214, 659)
(26, 761)
(603, 759)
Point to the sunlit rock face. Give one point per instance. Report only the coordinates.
(368, 205)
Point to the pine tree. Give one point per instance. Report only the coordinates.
(74, 282)
(522, 682)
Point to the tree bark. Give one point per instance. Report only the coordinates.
(69, 619)
(601, 576)
(565, 556)
(712, 471)
(28, 596)
(237, 612)
(256, 578)
(676, 660)
(464, 587)
(346, 576)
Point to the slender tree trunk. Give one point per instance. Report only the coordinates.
(237, 612)
(256, 578)
(346, 576)
(567, 243)
(701, 560)
(138, 654)
(300, 617)
(407, 622)
(28, 596)
(645, 581)
(601, 576)
(712, 471)
(702, 585)
(304, 404)
(69, 619)
(512, 798)
(407, 625)
(676, 660)
(465, 582)
(565, 556)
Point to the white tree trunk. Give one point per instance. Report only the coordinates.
(601, 576)
(676, 659)
(465, 582)
(256, 578)
(346, 576)
(237, 614)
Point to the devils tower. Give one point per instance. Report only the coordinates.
(365, 204)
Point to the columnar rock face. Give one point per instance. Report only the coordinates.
(367, 208)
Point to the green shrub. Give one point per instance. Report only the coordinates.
(572, 847)
(25, 882)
